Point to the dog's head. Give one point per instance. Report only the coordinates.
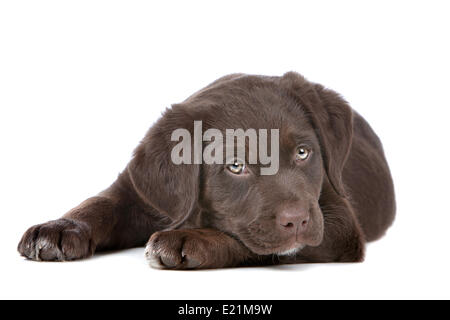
(270, 214)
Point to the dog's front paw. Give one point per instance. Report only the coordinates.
(58, 240)
(180, 249)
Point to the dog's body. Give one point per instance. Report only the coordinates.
(320, 207)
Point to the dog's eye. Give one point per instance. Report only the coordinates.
(237, 167)
(302, 154)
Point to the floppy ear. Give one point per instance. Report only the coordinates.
(171, 189)
(332, 118)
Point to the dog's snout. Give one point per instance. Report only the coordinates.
(293, 220)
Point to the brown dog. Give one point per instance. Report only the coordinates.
(332, 193)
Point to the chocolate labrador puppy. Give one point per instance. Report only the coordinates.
(331, 193)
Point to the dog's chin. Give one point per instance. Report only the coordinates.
(288, 249)
(291, 252)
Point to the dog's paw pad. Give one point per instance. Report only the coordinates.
(58, 240)
(172, 250)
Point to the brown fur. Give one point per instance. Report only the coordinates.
(201, 216)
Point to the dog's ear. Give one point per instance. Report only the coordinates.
(331, 117)
(170, 188)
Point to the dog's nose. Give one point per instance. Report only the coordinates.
(293, 220)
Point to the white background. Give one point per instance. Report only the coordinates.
(82, 81)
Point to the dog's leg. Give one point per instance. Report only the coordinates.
(112, 220)
(209, 248)
(197, 249)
